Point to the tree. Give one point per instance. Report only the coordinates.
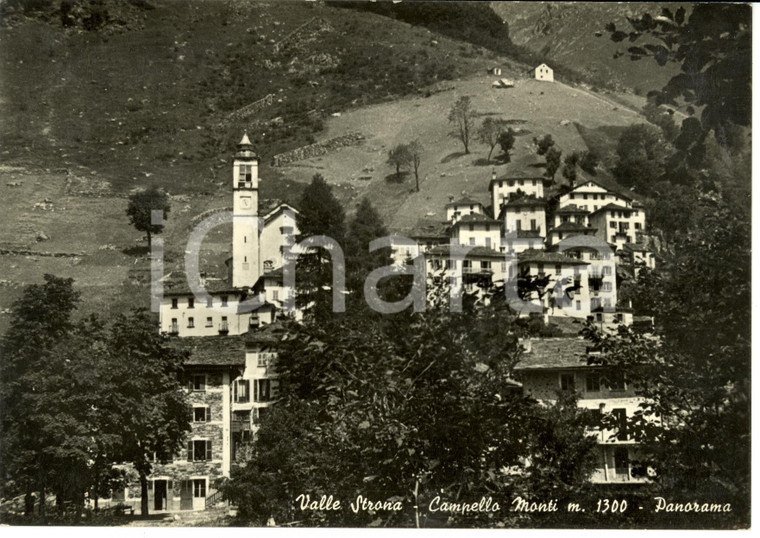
(489, 132)
(416, 151)
(140, 208)
(695, 375)
(364, 228)
(642, 156)
(570, 168)
(589, 162)
(506, 141)
(445, 420)
(40, 319)
(462, 116)
(399, 157)
(543, 144)
(662, 119)
(147, 405)
(553, 159)
(320, 214)
(713, 47)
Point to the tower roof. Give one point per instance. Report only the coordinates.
(245, 149)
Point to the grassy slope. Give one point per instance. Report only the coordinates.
(149, 107)
(565, 32)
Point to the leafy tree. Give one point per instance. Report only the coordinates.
(416, 150)
(462, 116)
(147, 403)
(321, 214)
(543, 144)
(695, 374)
(489, 132)
(713, 46)
(662, 119)
(642, 155)
(363, 229)
(444, 420)
(399, 157)
(506, 141)
(40, 319)
(141, 204)
(589, 162)
(553, 159)
(570, 168)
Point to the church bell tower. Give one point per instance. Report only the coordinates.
(245, 215)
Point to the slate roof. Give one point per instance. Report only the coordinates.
(598, 184)
(482, 252)
(430, 229)
(554, 353)
(465, 200)
(541, 256)
(612, 207)
(268, 334)
(215, 287)
(212, 350)
(571, 209)
(572, 227)
(476, 218)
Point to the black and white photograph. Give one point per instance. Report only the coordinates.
(392, 264)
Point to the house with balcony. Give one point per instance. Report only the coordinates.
(463, 207)
(618, 224)
(550, 366)
(592, 196)
(504, 188)
(554, 283)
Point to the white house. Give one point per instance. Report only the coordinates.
(592, 196)
(544, 72)
(464, 206)
(618, 224)
(504, 187)
(550, 366)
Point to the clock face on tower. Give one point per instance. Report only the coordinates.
(246, 202)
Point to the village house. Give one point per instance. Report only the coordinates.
(477, 229)
(544, 72)
(550, 366)
(461, 208)
(524, 213)
(503, 188)
(618, 224)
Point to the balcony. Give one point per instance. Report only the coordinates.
(245, 185)
(174, 330)
(224, 328)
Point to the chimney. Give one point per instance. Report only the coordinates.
(451, 198)
(493, 174)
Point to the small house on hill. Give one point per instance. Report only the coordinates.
(544, 72)
(495, 71)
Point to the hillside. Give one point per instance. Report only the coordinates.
(162, 99)
(574, 35)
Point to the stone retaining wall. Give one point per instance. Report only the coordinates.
(317, 149)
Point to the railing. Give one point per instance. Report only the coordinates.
(214, 499)
(224, 327)
(174, 329)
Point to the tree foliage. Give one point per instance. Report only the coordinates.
(543, 144)
(140, 208)
(462, 118)
(416, 151)
(399, 157)
(642, 153)
(489, 132)
(506, 141)
(553, 160)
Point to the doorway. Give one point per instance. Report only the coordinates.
(160, 494)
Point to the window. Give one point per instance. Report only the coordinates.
(209, 322)
(242, 391)
(263, 390)
(606, 270)
(190, 323)
(199, 450)
(621, 462)
(472, 241)
(275, 295)
(471, 227)
(199, 487)
(467, 265)
(613, 224)
(191, 302)
(607, 286)
(615, 381)
(519, 225)
(488, 242)
(622, 423)
(637, 225)
(540, 267)
(533, 224)
(585, 196)
(175, 327)
(175, 303)
(593, 382)
(534, 182)
(488, 227)
(558, 268)
(209, 302)
(199, 382)
(595, 197)
(567, 382)
(577, 305)
(224, 300)
(201, 414)
(485, 265)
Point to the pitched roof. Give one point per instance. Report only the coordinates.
(613, 207)
(525, 201)
(482, 252)
(552, 353)
(272, 333)
(430, 229)
(572, 227)
(598, 184)
(543, 180)
(212, 350)
(475, 218)
(571, 209)
(180, 287)
(464, 200)
(541, 256)
(636, 247)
